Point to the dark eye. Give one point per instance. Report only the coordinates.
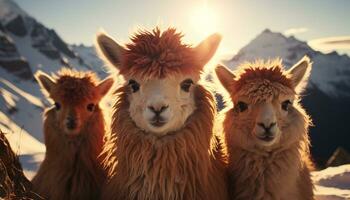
(57, 106)
(90, 107)
(241, 106)
(186, 84)
(286, 104)
(135, 86)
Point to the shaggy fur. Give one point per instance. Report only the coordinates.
(72, 168)
(180, 159)
(180, 165)
(280, 171)
(158, 54)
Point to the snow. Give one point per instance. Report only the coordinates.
(333, 183)
(21, 141)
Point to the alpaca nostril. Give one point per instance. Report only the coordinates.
(163, 108)
(158, 111)
(267, 128)
(151, 108)
(71, 124)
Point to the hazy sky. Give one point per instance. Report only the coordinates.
(326, 23)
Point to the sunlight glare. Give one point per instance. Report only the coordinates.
(204, 21)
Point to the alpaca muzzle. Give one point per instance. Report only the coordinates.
(266, 133)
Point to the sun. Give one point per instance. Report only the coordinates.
(204, 20)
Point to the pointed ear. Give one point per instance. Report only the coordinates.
(104, 86)
(207, 48)
(300, 74)
(45, 81)
(108, 49)
(225, 76)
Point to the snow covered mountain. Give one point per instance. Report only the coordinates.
(26, 46)
(329, 72)
(328, 93)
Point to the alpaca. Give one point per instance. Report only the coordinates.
(162, 144)
(74, 133)
(266, 131)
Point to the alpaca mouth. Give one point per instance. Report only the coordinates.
(266, 138)
(158, 122)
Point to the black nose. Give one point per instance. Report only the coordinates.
(71, 123)
(158, 111)
(267, 128)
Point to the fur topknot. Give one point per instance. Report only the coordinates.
(75, 87)
(158, 54)
(271, 70)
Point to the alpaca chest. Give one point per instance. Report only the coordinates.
(168, 172)
(260, 178)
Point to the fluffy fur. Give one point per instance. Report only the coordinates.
(180, 165)
(279, 171)
(158, 54)
(72, 167)
(180, 159)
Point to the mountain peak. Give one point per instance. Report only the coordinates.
(328, 68)
(10, 10)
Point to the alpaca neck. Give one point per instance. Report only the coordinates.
(264, 172)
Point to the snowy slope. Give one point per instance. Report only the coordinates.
(329, 69)
(90, 57)
(333, 183)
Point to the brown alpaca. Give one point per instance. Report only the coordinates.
(162, 144)
(74, 130)
(266, 131)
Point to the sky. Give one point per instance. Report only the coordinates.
(324, 24)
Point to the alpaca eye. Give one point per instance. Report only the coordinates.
(286, 104)
(90, 107)
(135, 86)
(186, 84)
(241, 106)
(57, 106)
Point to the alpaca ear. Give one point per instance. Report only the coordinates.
(108, 49)
(45, 81)
(300, 74)
(104, 86)
(225, 76)
(207, 48)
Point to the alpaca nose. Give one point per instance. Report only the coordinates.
(71, 123)
(267, 127)
(157, 110)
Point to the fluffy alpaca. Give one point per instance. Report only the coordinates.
(162, 144)
(74, 130)
(266, 132)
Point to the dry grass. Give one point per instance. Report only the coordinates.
(13, 183)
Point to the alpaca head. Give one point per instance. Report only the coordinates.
(266, 112)
(161, 73)
(76, 96)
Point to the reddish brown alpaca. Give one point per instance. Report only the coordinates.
(266, 131)
(160, 162)
(74, 130)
